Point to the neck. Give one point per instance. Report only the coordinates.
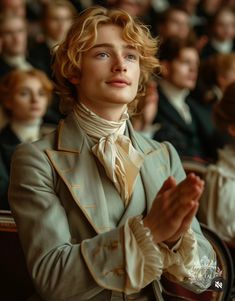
(96, 126)
(7, 56)
(31, 122)
(26, 130)
(110, 113)
(173, 91)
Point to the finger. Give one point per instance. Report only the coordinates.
(169, 183)
(195, 180)
(201, 186)
(186, 223)
(175, 218)
(189, 189)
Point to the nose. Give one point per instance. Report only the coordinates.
(119, 65)
(34, 98)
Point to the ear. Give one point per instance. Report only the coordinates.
(74, 80)
(8, 104)
(165, 69)
(222, 82)
(231, 130)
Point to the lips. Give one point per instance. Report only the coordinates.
(119, 81)
(35, 108)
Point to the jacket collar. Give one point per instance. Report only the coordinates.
(70, 135)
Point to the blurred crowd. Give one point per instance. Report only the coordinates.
(197, 59)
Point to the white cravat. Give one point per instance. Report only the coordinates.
(113, 149)
(223, 47)
(27, 131)
(18, 62)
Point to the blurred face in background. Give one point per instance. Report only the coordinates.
(211, 6)
(177, 24)
(133, 7)
(189, 5)
(57, 22)
(224, 27)
(14, 7)
(182, 72)
(29, 100)
(13, 35)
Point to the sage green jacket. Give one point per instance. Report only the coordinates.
(61, 204)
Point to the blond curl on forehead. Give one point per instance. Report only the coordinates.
(82, 36)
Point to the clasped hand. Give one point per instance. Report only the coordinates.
(174, 208)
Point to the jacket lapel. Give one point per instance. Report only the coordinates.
(77, 168)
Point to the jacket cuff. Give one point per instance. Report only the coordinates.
(144, 260)
(104, 258)
(185, 265)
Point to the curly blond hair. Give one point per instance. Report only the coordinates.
(82, 36)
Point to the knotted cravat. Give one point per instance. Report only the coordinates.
(113, 149)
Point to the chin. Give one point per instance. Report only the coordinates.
(119, 99)
(123, 101)
(190, 85)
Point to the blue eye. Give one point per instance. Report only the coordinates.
(132, 57)
(102, 55)
(24, 92)
(42, 93)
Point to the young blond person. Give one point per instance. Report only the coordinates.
(102, 212)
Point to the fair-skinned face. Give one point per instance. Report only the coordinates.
(190, 5)
(14, 37)
(177, 25)
(29, 101)
(182, 72)
(110, 73)
(224, 28)
(58, 22)
(15, 7)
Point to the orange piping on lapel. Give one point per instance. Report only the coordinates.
(67, 170)
(90, 206)
(75, 185)
(104, 228)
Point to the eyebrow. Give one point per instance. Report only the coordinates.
(108, 45)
